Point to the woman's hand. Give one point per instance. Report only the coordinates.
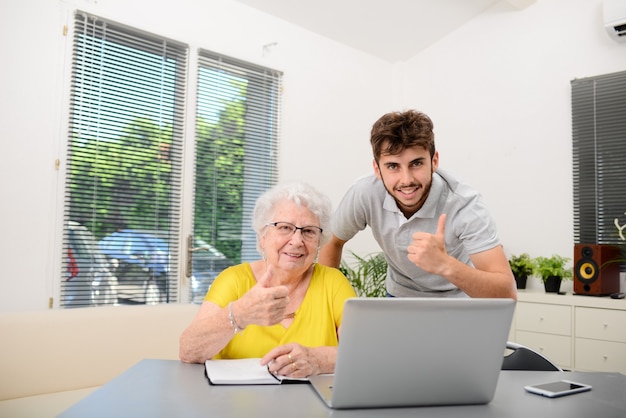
(263, 304)
(291, 360)
(297, 361)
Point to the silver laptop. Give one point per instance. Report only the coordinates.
(417, 351)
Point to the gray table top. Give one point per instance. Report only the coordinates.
(169, 388)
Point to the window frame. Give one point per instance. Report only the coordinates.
(186, 130)
(598, 152)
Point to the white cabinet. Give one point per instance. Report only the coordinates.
(555, 347)
(600, 339)
(544, 318)
(576, 332)
(547, 328)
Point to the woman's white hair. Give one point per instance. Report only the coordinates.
(302, 195)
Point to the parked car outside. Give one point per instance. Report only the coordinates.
(89, 281)
(141, 264)
(141, 259)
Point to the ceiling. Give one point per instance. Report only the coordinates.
(393, 30)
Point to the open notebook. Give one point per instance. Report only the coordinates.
(244, 371)
(417, 351)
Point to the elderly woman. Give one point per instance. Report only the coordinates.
(284, 308)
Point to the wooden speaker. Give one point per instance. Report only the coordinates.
(592, 275)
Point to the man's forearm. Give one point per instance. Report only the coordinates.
(330, 254)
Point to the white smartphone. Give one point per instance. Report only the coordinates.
(556, 389)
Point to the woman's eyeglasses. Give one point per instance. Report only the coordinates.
(309, 233)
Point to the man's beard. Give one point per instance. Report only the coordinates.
(408, 211)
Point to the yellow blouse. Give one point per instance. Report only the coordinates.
(316, 321)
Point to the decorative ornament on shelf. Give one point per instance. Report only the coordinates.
(620, 228)
(621, 232)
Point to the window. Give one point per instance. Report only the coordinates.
(237, 121)
(123, 164)
(123, 191)
(599, 153)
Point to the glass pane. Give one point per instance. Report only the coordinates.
(236, 157)
(124, 164)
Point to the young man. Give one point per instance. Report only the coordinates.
(436, 233)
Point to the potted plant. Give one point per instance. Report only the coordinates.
(552, 271)
(368, 278)
(522, 267)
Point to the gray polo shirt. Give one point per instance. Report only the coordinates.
(470, 229)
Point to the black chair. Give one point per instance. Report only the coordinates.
(525, 358)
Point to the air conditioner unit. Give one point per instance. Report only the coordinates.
(615, 19)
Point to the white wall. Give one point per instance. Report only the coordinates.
(497, 90)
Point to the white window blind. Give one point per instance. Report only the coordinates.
(599, 156)
(237, 131)
(124, 162)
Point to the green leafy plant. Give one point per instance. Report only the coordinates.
(368, 276)
(545, 267)
(521, 265)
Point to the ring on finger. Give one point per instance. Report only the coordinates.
(290, 359)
